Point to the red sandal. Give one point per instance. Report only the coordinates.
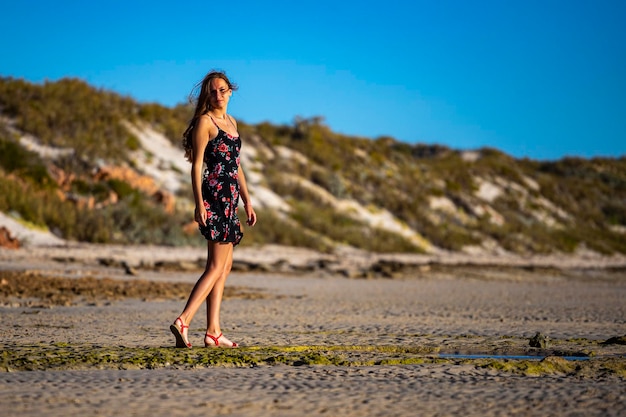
(216, 341)
(178, 330)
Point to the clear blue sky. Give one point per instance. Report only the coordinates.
(543, 79)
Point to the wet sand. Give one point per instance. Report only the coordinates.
(315, 343)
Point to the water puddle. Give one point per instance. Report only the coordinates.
(513, 357)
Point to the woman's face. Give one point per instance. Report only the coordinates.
(219, 93)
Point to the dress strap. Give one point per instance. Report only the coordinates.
(230, 120)
(211, 117)
(228, 117)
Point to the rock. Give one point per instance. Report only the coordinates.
(555, 364)
(617, 340)
(247, 266)
(539, 341)
(178, 265)
(129, 270)
(143, 183)
(351, 272)
(388, 268)
(7, 240)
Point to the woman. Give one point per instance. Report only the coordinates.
(212, 139)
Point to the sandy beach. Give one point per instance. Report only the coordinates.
(320, 335)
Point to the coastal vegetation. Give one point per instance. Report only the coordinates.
(59, 139)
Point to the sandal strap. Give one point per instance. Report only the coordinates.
(182, 325)
(214, 338)
(178, 333)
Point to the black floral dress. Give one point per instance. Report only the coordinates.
(220, 189)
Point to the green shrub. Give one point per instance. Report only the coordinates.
(172, 122)
(100, 191)
(15, 159)
(123, 189)
(615, 213)
(384, 173)
(70, 113)
(276, 229)
(346, 230)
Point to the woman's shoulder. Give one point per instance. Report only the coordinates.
(205, 123)
(204, 119)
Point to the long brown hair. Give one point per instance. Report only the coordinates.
(201, 96)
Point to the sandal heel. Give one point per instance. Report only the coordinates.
(177, 330)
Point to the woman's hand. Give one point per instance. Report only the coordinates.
(200, 216)
(251, 215)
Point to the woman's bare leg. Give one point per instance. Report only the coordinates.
(214, 303)
(217, 258)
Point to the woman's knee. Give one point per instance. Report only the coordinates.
(227, 268)
(220, 260)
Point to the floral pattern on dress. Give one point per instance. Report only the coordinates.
(220, 189)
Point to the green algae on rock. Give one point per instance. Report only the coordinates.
(63, 356)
